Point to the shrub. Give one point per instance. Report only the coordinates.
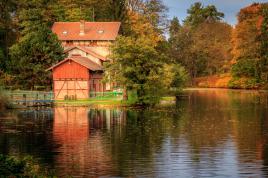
(244, 83)
(244, 68)
(11, 166)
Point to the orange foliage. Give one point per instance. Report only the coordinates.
(213, 81)
(249, 11)
(245, 33)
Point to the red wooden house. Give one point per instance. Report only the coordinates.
(87, 47)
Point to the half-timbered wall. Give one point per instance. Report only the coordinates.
(71, 81)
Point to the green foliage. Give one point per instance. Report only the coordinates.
(180, 77)
(174, 27)
(244, 68)
(174, 78)
(202, 44)
(9, 166)
(7, 33)
(138, 66)
(33, 55)
(2, 59)
(198, 14)
(37, 49)
(14, 167)
(243, 83)
(155, 11)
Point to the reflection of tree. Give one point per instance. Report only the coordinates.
(133, 146)
(250, 128)
(27, 132)
(210, 131)
(239, 116)
(205, 126)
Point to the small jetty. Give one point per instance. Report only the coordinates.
(30, 98)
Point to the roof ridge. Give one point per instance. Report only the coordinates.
(88, 22)
(82, 57)
(88, 51)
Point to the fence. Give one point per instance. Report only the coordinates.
(106, 95)
(39, 98)
(30, 98)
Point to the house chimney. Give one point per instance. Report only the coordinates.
(82, 27)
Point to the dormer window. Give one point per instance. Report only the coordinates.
(100, 31)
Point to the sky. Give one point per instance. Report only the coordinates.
(230, 8)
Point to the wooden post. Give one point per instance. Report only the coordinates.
(24, 99)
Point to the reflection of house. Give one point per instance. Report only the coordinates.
(87, 47)
(79, 153)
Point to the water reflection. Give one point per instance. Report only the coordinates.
(214, 133)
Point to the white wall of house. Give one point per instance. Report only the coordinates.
(76, 51)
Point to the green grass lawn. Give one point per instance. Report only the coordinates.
(93, 101)
(101, 102)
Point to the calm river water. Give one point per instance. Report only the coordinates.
(213, 133)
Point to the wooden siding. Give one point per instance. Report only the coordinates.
(76, 89)
(70, 70)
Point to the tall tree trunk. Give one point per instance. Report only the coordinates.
(125, 96)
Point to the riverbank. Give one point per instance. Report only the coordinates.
(107, 103)
(228, 82)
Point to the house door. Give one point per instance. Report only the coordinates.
(71, 89)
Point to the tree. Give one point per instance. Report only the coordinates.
(184, 51)
(174, 27)
(174, 78)
(214, 39)
(155, 12)
(77, 10)
(7, 34)
(138, 66)
(36, 49)
(198, 14)
(32, 56)
(263, 38)
(250, 45)
(203, 43)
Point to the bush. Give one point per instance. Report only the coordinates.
(243, 83)
(244, 68)
(11, 166)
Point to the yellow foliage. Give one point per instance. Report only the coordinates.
(141, 27)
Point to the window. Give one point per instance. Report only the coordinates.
(69, 42)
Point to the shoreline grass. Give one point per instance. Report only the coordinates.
(108, 102)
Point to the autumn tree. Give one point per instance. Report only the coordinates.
(250, 47)
(202, 44)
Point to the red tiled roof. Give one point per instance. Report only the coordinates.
(87, 51)
(82, 61)
(93, 30)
